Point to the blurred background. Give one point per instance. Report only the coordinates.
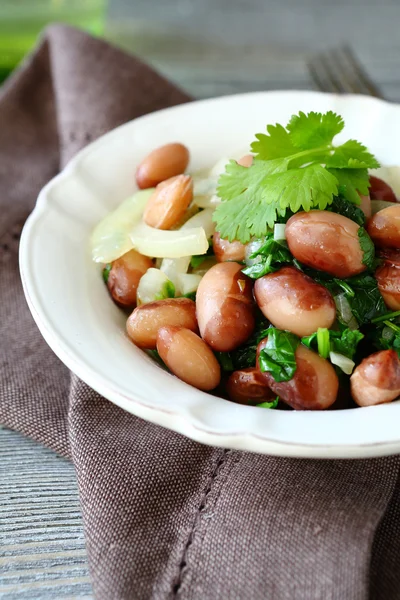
(214, 47)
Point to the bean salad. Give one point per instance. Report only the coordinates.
(272, 280)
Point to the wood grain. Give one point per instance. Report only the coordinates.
(210, 48)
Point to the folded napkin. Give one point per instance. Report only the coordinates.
(166, 517)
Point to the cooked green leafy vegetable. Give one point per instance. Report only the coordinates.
(343, 207)
(368, 248)
(198, 259)
(343, 342)
(278, 356)
(269, 257)
(225, 361)
(106, 272)
(386, 336)
(295, 168)
(272, 404)
(245, 356)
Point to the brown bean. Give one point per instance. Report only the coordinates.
(293, 301)
(379, 190)
(125, 275)
(365, 205)
(246, 160)
(161, 164)
(225, 308)
(143, 324)
(376, 380)
(248, 386)
(225, 250)
(388, 278)
(326, 241)
(169, 202)
(188, 357)
(384, 227)
(314, 385)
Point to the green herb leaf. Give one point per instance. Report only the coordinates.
(352, 181)
(368, 248)
(343, 207)
(272, 404)
(106, 272)
(277, 144)
(314, 129)
(352, 155)
(323, 342)
(245, 356)
(385, 336)
(198, 259)
(278, 356)
(345, 342)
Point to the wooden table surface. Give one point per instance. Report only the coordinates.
(209, 47)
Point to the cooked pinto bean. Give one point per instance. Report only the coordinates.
(225, 250)
(388, 278)
(325, 241)
(145, 321)
(248, 386)
(188, 357)
(379, 190)
(376, 380)
(384, 227)
(293, 301)
(225, 308)
(169, 202)
(125, 275)
(246, 160)
(314, 385)
(365, 205)
(161, 164)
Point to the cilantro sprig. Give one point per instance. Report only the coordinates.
(296, 167)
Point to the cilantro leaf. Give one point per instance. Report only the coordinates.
(352, 181)
(278, 356)
(272, 404)
(368, 248)
(352, 155)
(347, 209)
(253, 200)
(314, 129)
(277, 144)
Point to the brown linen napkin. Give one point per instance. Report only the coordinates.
(166, 517)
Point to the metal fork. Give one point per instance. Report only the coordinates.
(340, 72)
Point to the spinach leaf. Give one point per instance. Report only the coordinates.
(106, 272)
(326, 340)
(198, 259)
(272, 404)
(225, 361)
(278, 356)
(343, 207)
(269, 258)
(368, 248)
(386, 336)
(245, 356)
(367, 301)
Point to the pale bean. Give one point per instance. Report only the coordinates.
(293, 301)
(169, 202)
(376, 380)
(161, 164)
(225, 250)
(225, 307)
(248, 386)
(314, 385)
(379, 190)
(145, 321)
(326, 241)
(388, 278)
(188, 357)
(384, 227)
(246, 160)
(124, 277)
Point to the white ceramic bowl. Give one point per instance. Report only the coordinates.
(77, 318)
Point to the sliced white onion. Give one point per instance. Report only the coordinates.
(188, 283)
(390, 175)
(153, 285)
(344, 309)
(346, 364)
(279, 232)
(169, 244)
(110, 238)
(205, 184)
